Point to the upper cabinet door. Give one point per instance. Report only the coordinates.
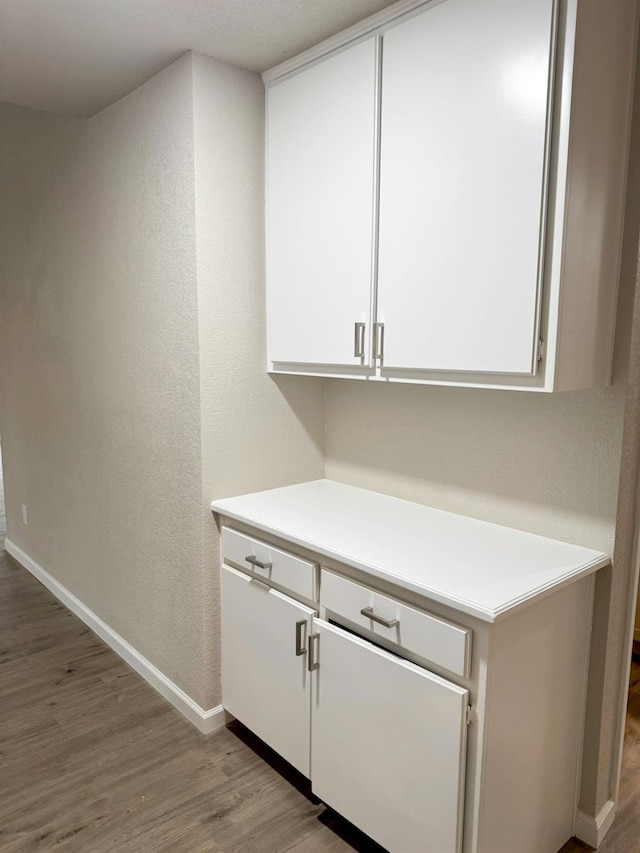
(465, 93)
(320, 210)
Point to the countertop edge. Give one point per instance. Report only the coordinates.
(490, 615)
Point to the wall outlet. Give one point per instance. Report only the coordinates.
(24, 514)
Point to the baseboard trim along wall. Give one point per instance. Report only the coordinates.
(206, 721)
(592, 830)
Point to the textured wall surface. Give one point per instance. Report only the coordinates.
(631, 443)
(547, 464)
(100, 411)
(257, 432)
(133, 380)
(618, 588)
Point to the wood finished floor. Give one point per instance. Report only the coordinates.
(92, 760)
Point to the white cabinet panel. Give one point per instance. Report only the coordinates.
(388, 746)
(320, 208)
(265, 684)
(273, 565)
(433, 639)
(464, 115)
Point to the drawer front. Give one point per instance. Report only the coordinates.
(430, 637)
(280, 568)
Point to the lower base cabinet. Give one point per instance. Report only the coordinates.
(382, 739)
(431, 730)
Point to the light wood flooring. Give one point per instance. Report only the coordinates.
(92, 760)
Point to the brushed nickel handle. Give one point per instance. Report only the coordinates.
(378, 338)
(388, 623)
(256, 562)
(301, 648)
(313, 660)
(358, 340)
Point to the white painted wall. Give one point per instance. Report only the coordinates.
(133, 389)
(100, 394)
(257, 432)
(547, 464)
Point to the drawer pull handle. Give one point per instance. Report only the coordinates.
(256, 562)
(388, 623)
(313, 660)
(301, 647)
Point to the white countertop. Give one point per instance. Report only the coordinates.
(479, 568)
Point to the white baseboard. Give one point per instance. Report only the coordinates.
(206, 721)
(592, 830)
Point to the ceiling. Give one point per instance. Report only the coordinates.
(76, 57)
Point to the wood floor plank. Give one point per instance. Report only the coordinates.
(324, 841)
(95, 761)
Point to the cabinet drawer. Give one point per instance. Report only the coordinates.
(430, 637)
(280, 568)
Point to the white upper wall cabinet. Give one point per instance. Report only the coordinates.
(446, 185)
(320, 199)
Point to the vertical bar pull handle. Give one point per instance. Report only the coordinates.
(378, 340)
(301, 645)
(313, 660)
(358, 340)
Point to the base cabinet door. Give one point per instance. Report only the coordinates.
(388, 745)
(265, 680)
